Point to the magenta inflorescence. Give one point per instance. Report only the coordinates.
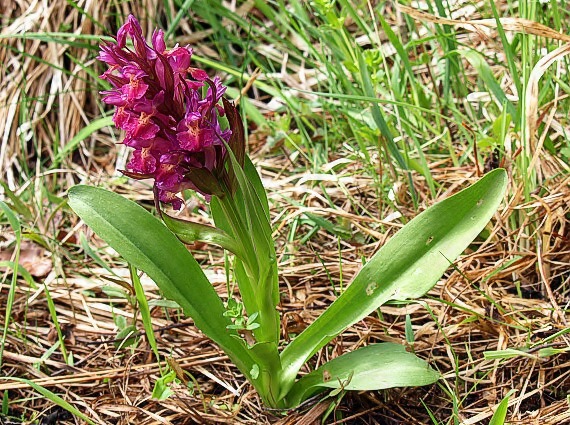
(168, 109)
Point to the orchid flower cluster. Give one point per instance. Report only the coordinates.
(171, 115)
(159, 102)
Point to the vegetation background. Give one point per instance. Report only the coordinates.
(360, 114)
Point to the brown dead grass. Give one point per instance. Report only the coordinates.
(474, 309)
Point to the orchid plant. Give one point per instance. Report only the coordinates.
(186, 135)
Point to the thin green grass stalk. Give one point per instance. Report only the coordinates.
(340, 275)
(54, 317)
(23, 273)
(81, 135)
(527, 11)
(455, 402)
(444, 384)
(181, 13)
(509, 53)
(54, 398)
(529, 56)
(454, 70)
(336, 39)
(60, 38)
(336, 291)
(354, 54)
(142, 303)
(23, 118)
(91, 253)
(429, 412)
(418, 98)
(333, 38)
(5, 403)
(83, 12)
(17, 228)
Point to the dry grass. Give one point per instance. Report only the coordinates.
(510, 293)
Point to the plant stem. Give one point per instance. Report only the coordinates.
(256, 274)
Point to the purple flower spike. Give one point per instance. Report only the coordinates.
(171, 125)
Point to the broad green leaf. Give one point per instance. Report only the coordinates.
(374, 367)
(407, 266)
(148, 245)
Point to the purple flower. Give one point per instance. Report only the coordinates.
(172, 126)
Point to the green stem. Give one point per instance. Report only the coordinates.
(258, 292)
(257, 277)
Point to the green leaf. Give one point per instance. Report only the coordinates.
(507, 353)
(126, 337)
(247, 213)
(377, 114)
(13, 220)
(5, 403)
(148, 245)
(54, 398)
(406, 267)
(190, 232)
(21, 271)
(501, 413)
(205, 181)
(253, 177)
(17, 228)
(145, 311)
(17, 204)
(374, 367)
(120, 322)
(161, 390)
(487, 142)
(328, 226)
(486, 73)
(500, 125)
